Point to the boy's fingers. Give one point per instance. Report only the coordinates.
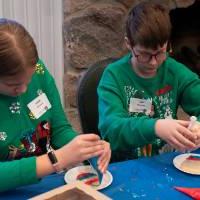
(184, 123)
(184, 142)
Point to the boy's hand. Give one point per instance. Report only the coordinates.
(196, 131)
(176, 133)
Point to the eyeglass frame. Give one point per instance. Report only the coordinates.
(151, 55)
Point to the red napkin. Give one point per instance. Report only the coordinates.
(192, 192)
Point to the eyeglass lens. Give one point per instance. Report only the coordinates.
(147, 57)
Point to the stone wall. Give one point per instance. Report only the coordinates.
(93, 31)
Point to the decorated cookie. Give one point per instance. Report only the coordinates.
(191, 164)
(88, 178)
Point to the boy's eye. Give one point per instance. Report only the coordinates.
(145, 54)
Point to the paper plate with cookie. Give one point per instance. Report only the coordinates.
(188, 163)
(88, 175)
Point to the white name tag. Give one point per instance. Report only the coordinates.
(39, 105)
(140, 105)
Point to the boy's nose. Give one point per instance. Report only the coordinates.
(153, 60)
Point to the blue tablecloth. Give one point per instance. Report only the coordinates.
(148, 178)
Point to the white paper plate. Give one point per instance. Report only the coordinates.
(72, 174)
(177, 161)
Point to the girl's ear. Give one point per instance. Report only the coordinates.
(127, 42)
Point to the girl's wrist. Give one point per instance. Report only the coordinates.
(64, 157)
(55, 160)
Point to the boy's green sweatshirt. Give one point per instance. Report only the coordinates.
(22, 136)
(133, 132)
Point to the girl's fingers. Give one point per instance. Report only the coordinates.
(91, 143)
(89, 137)
(107, 152)
(94, 154)
(102, 159)
(92, 149)
(103, 167)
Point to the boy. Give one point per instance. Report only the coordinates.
(139, 94)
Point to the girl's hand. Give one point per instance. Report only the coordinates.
(104, 158)
(81, 148)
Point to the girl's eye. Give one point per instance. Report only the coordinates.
(12, 85)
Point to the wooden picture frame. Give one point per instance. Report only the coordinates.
(73, 191)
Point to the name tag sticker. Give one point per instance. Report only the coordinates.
(39, 105)
(140, 105)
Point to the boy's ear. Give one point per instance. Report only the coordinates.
(127, 42)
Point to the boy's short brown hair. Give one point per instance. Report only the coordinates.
(148, 24)
(17, 48)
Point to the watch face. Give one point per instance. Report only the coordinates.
(54, 161)
(52, 157)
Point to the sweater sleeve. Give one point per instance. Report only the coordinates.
(21, 172)
(62, 131)
(115, 124)
(189, 85)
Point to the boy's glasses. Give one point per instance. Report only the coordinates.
(147, 57)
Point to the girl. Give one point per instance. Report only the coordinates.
(36, 139)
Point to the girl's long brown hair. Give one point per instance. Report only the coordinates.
(17, 48)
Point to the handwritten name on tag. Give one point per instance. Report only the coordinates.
(140, 105)
(39, 105)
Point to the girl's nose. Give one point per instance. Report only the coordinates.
(21, 89)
